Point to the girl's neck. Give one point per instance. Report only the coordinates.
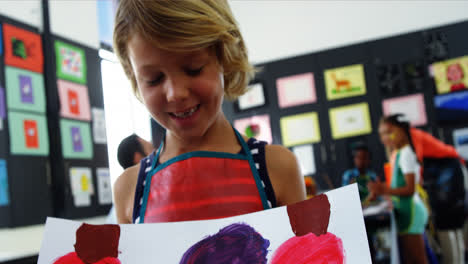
(218, 137)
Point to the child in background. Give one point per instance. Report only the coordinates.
(182, 59)
(411, 214)
(361, 173)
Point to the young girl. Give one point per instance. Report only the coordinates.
(183, 58)
(411, 213)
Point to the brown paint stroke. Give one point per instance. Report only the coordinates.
(95, 242)
(310, 216)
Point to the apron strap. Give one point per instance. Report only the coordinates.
(253, 168)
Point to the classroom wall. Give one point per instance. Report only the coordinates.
(279, 29)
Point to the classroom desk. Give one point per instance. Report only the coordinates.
(24, 242)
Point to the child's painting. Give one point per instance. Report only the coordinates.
(328, 228)
(460, 141)
(350, 120)
(25, 90)
(28, 134)
(74, 100)
(82, 187)
(452, 107)
(296, 90)
(254, 97)
(23, 49)
(76, 139)
(300, 129)
(451, 75)
(256, 126)
(345, 82)
(71, 62)
(104, 186)
(412, 106)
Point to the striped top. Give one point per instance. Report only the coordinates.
(257, 149)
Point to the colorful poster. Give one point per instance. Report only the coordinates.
(104, 186)
(81, 182)
(345, 82)
(460, 141)
(328, 227)
(74, 101)
(296, 90)
(2, 104)
(305, 156)
(99, 126)
(349, 121)
(4, 190)
(25, 90)
(451, 75)
(76, 139)
(300, 129)
(23, 49)
(28, 134)
(412, 106)
(255, 127)
(71, 62)
(452, 107)
(254, 97)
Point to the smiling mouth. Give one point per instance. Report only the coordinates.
(185, 114)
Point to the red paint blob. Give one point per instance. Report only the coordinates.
(96, 242)
(72, 258)
(310, 249)
(310, 216)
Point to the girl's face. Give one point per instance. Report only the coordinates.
(182, 91)
(392, 136)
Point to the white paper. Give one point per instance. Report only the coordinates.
(99, 126)
(350, 120)
(81, 180)
(460, 141)
(409, 108)
(81, 199)
(300, 129)
(167, 242)
(253, 97)
(104, 186)
(305, 156)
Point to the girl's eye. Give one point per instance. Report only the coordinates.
(155, 81)
(194, 72)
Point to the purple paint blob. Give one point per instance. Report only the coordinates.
(234, 244)
(26, 89)
(76, 139)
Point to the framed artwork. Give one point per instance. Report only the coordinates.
(99, 126)
(296, 90)
(412, 106)
(76, 139)
(74, 101)
(81, 182)
(350, 120)
(23, 49)
(452, 107)
(300, 129)
(253, 98)
(345, 82)
(104, 186)
(305, 156)
(451, 75)
(256, 126)
(71, 62)
(25, 90)
(328, 226)
(460, 141)
(388, 76)
(28, 134)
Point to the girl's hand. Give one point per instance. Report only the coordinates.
(378, 187)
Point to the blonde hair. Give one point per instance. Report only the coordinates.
(185, 25)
